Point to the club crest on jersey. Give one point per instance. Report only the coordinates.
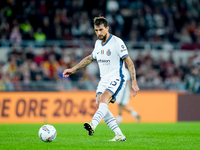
(108, 53)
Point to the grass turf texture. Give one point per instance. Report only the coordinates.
(173, 136)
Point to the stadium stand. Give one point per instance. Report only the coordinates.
(40, 38)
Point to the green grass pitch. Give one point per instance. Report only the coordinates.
(143, 136)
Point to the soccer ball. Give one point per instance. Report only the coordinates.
(47, 133)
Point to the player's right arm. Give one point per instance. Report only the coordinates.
(86, 61)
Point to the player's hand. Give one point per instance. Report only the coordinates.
(67, 72)
(135, 88)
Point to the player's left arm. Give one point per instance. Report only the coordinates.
(132, 71)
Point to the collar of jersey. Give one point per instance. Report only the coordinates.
(107, 40)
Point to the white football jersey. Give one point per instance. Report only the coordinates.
(109, 57)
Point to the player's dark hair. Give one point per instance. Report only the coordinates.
(100, 20)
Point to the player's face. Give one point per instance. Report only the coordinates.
(101, 31)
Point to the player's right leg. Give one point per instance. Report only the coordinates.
(102, 105)
(89, 127)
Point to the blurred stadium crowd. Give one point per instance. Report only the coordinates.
(132, 20)
(135, 20)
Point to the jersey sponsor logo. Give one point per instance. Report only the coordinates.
(103, 61)
(108, 53)
(122, 46)
(123, 50)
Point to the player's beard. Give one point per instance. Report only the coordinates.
(103, 38)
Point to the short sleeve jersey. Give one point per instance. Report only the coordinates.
(109, 57)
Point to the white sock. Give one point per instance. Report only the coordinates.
(100, 113)
(111, 122)
(134, 113)
(119, 119)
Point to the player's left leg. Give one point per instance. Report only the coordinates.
(110, 119)
(112, 124)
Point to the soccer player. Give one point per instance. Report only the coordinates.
(110, 53)
(123, 100)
